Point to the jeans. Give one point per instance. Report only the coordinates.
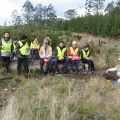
(6, 61)
(34, 53)
(90, 64)
(112, 75)
(56, 61)
(75, 62)
(25, 63)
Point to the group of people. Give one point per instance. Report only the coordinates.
(21, 49)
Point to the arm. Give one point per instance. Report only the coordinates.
(17, 49)
(81, 54)
(69, 53)
(0, 44)
(112, 69)
(50, 53)
(41, 54)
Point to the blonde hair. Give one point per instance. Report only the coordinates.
(49, 40)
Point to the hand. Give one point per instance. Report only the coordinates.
(106, 71)
(88, 58)
(3, 47)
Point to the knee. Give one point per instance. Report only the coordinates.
(56, 60)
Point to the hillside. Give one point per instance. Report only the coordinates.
(68, 97)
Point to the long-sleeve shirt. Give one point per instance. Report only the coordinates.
(117, 68)
(70, 54)
(45, 52)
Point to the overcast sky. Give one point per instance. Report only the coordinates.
(7, 7)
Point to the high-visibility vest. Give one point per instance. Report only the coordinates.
(23, 48)
(14, 45)
(61, 53)
(85, 55)
(73, 52)
(7, 46)
(33, 45)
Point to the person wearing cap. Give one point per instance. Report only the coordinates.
(22, 51)
(45, 53)
(35, 47)
(6, 46)
(61, 53)
(72, 52)
(86, 58)
(110, 73)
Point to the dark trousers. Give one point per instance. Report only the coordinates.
(6, 61)
(42, 63)
(74, 62)
(90, 64)
(25, 64)
(112, 75)
(34, 53)
(56, 61)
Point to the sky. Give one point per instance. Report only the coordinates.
(8, 6)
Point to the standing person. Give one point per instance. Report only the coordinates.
(22, 50)
(45, 53)
(61, 53)
(86, 58)
(35, 47)
(110, 73)
(15, 40)
(73, 54)
(6, 46)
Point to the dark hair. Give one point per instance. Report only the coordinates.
(24, 37)
(6, 32)
(15, 39)
(87, 46)
(62, 42)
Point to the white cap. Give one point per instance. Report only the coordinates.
(74, 43)
(118, 58)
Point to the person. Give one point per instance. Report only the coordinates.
(110, 73)
(73, 52)
(49, 40)
(45, 53)
(15, 40)
(86, 58)
(35, 47)
(6, 46)
(61, 53)
(22, 51)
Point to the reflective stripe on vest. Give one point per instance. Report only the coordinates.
(33, 45)
(7, 46)
(72, 51)
(23, 48)
(14, 46)
(61, 53)
(85, 55)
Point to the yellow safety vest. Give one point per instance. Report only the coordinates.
(7, 46)
(72, 51)
(14, 46)
(23, 48)
(85, 55)
(37, 45)
(61, 53)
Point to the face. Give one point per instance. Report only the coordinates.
(15, 41)
(36, 40)
(45, 44)
(23, 41)
(61, 44)
(74, 45)
(87, 48)
(6, 35)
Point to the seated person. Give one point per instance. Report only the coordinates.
(86, 58)
(45, 53)
(71, 53)
(60, 55)
(35, 47)
(110, 73)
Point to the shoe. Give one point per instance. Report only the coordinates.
(56, 72)
(71, 71)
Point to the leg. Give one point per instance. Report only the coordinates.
(92, 65)
(41, 64)
(3, 61)
(36, 54)
(77, 65)
(87, 62)
(55, 65)
(19, 62)
(50, 65)
(112, 75)
(72, 65)
(7, 63)
(25, 63)
(66, 62)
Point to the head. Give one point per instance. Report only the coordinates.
(45, 43)
(24, 38)
(36, 39)
(15, 40)
(74, 44)
(6, 35)
(61, 44)
(118, 60)
(87, 47)
(49, 40)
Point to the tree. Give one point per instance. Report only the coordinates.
(70, 14)
(28, 11)
(14, 16)
(18, 21)
(94, 6)
(109, 8)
